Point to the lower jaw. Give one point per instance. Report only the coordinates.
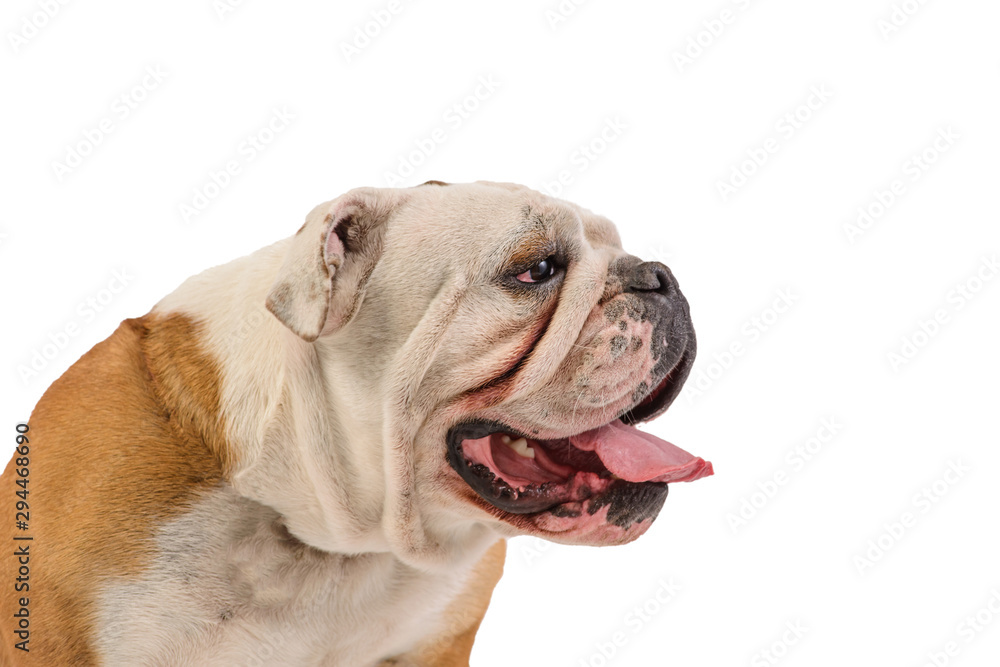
(586, 501)
(626, 503)
(546, 497)
(593, 522)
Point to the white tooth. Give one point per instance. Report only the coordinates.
(505, 439)
(521, 447)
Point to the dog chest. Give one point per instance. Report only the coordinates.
(245, 592)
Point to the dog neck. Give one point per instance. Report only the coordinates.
(305, 438)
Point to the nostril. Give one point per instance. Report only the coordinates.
(650, 277)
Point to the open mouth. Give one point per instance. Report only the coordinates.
(615, 465)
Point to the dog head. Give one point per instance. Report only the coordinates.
(490, 349)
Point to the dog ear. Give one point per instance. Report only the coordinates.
(322, 279)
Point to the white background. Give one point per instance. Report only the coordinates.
(677, 130)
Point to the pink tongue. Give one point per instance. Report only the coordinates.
(640, 457)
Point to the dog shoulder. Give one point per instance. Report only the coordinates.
(117, 446)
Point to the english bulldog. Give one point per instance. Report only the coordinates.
(313, 455)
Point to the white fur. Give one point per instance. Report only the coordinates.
(285, 603)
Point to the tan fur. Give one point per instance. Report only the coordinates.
(452, 646)
(116, 448)
(466, 613)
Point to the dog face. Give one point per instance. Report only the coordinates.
(501, 344)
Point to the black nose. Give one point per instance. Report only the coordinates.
(652, 277)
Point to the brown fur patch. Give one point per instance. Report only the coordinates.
(435, 183)
(531, 249)
(188, 382)
(124, 440)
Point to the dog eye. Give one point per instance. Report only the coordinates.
(544, 270)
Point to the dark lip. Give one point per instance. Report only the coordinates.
(481, 479)
(656, 402)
